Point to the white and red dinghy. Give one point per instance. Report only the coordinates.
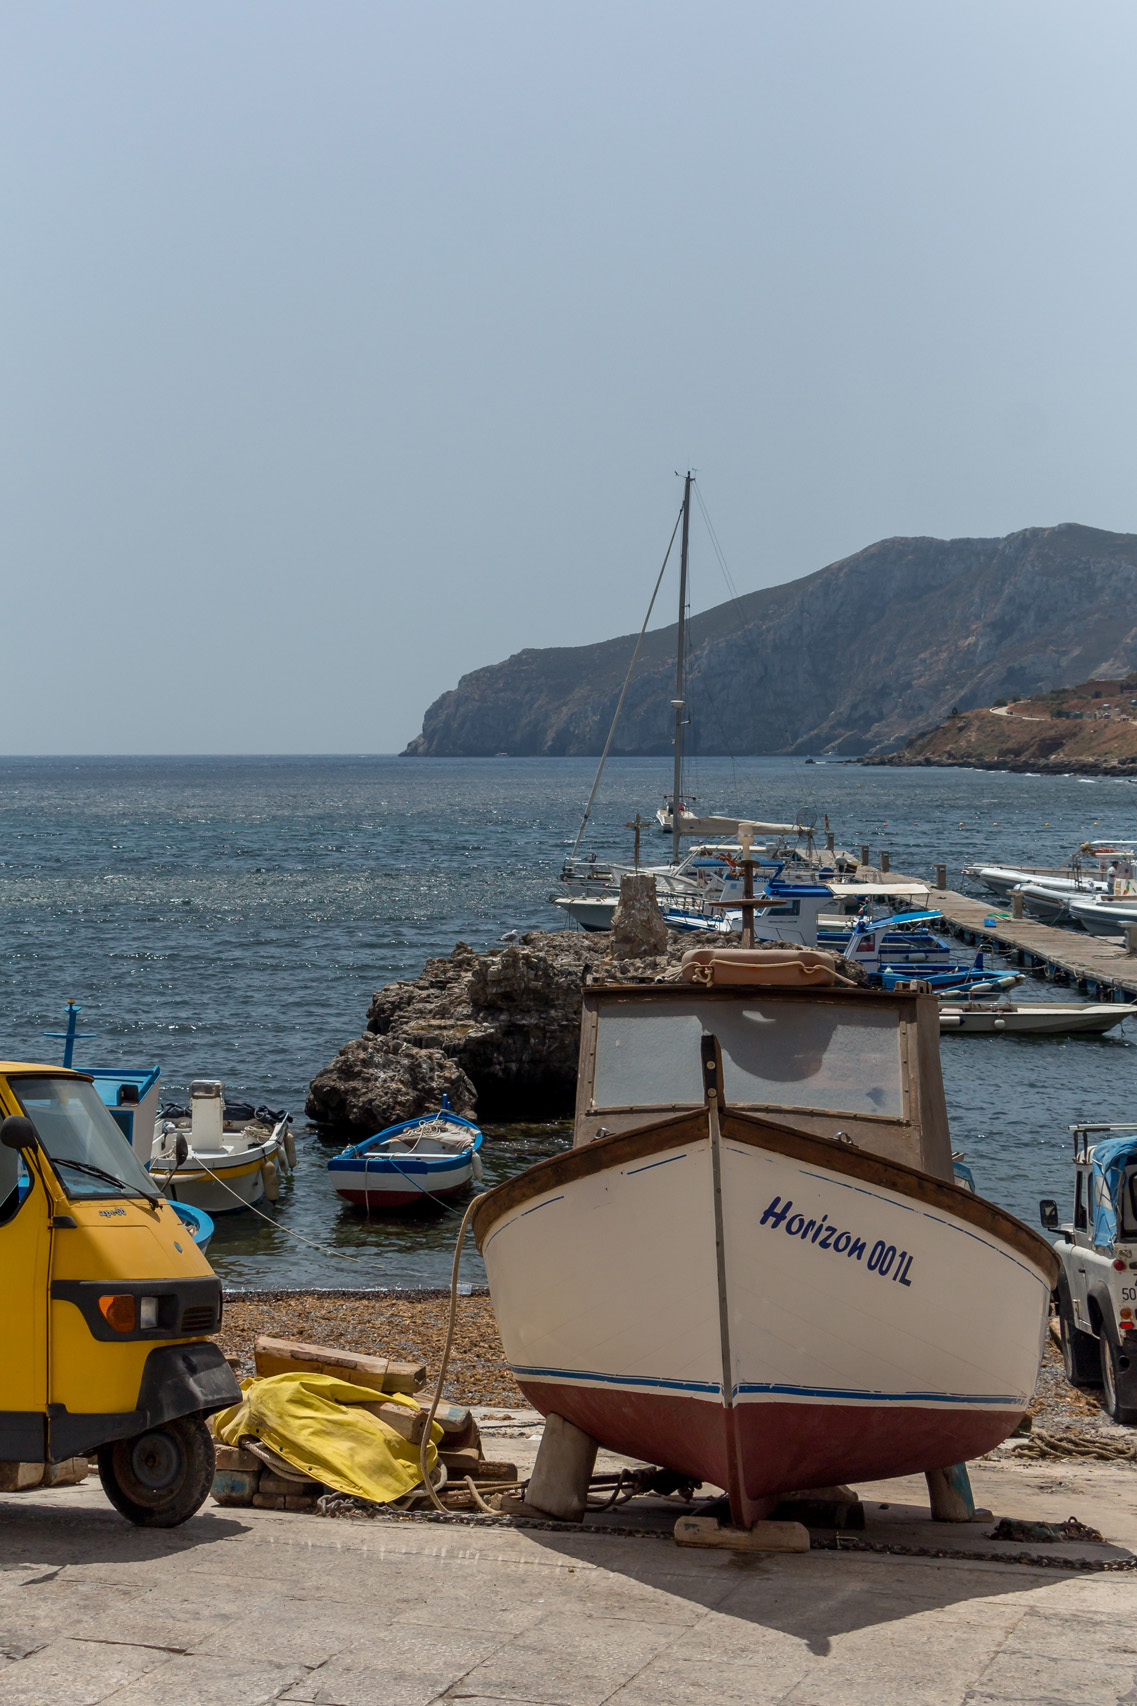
(410, 1165)
(766, 1279)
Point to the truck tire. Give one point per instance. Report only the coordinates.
(1119, 1385)
(162, 1476)
(1080, 1356)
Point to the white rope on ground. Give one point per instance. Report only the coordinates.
(451, 1323)
(336, 1255)
(424, 1443)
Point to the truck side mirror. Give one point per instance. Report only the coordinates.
(1048, 1214)
(17, 1132)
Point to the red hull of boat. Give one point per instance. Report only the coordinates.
(399, 1199)
(762, 1448)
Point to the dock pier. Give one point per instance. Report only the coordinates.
(1095, 966)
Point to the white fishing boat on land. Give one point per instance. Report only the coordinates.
(754, 1267)
(1034, 1018)
(217, 1163)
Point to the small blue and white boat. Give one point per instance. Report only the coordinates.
(198, 1223)
(411, 1165)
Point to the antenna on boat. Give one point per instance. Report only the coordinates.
(679, 702)
(70, 1036)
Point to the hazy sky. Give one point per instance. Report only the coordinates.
(349, 346)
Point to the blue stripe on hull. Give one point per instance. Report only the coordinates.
(751, 1388)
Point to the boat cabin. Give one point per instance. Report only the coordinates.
(132, 1098)
(862, 1061)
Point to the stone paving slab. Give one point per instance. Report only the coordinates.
(244, 1607)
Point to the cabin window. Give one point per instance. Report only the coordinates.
(1080, 1221)
(813, 1054)
(85, 1146)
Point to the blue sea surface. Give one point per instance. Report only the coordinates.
(230, 918)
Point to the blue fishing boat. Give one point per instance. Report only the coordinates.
(199, 1224)
(410, 1165)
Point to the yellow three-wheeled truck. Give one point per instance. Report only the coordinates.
(108, 1304)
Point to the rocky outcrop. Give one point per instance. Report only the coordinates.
(852, 659)
(504, 1025)
(377, 1081)
(507, 1023)
(637, 924)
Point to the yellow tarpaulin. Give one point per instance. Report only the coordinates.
(318, 1424)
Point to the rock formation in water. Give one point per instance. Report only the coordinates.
(378, 1081)
(852, 659)
(506, 1023)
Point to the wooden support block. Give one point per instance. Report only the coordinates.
(763, 1537)
(949, 1493)
(558, 1486)
(232, 1457)
(67, 1473)
(19, 1477)
(289, 1356)
(463, 1462)
(487, 1471)
(235, 1486)
(290, 1488)
(453, 1419)
(296, 1502)
(408, 1424)
(268, 1501)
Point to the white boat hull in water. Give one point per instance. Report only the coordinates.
(1035, 1019)
(764, 1309)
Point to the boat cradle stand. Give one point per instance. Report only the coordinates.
(566, 1457)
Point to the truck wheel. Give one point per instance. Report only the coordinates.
(1115, 1382)
(1080, 1357)
(159, 1478)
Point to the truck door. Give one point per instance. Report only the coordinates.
(1076, 1268)
(25, 1240)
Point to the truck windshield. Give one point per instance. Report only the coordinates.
(86, 1147)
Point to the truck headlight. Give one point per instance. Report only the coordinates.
(147, 1312)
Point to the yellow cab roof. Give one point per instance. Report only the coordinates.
(8, 1066)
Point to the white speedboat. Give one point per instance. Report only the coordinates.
(755, 1268)
(1034, 1018)
(220, 1164)
(1105, 915)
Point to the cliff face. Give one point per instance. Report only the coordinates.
(851, 659)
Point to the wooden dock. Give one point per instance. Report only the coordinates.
(1099, 968)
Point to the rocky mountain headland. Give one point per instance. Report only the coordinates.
(853, 659)
(1088, 730)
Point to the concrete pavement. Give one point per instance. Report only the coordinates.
(242, 1607)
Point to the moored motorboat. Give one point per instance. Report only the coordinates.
(1034, 1018)
(218, 1163)
(411, 1165)
(1104, 915)
(762, 1274)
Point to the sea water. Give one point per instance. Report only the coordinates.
(230, 918)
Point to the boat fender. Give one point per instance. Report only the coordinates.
(289, 1148)
(271, 1180)
(476, 1165)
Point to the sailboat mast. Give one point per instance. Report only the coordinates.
(678, 701)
